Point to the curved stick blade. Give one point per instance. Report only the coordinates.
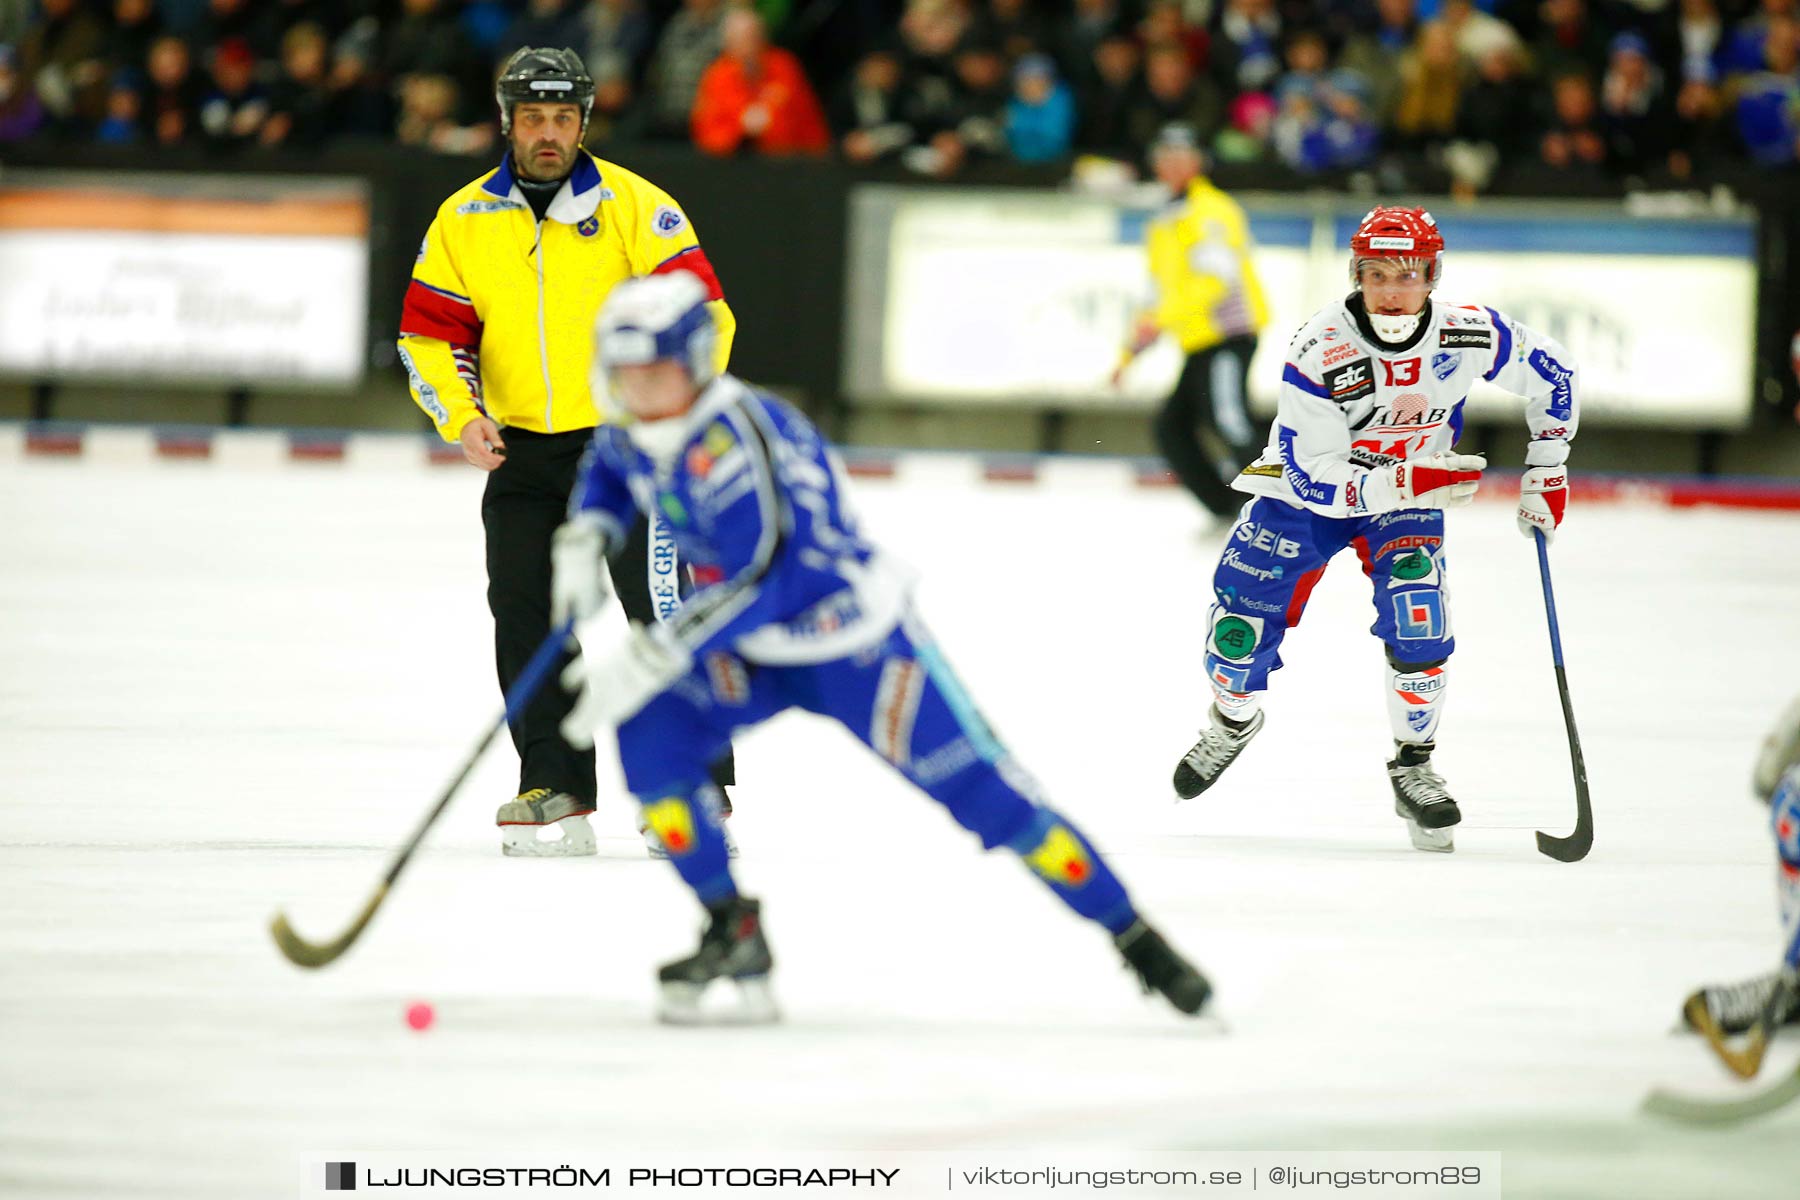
(1573, 848)
(303, 953)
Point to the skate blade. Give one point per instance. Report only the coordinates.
(1437, 841)
(576, 840)
(684, 1004)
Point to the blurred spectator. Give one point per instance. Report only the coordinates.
(1744, 46)
(60, 59)
(1165, 23)
(359, 107)
(1573, 142)
(1496, 108)
(14, 16)
(224, 21)
(978, 120)
(689, 44)
(1106, 102)
(930, 31)
(616, 37)
(1092, 22)
(1699, 136)
(551, 23)
(299, 102)
(1768, 105)
(1040, 117)
(21, 114)
(1249, 135)
(173, 101)
(1701, 35)
(428, 39)
(1307, 57)
(1475, 32)
(1432, 76)
(756, 97)
(1568, 41)
(1325, 127)
(1015, 28)
(1174, 93)
(274, 18)
(135, 24)
(428, 111)
(233, 112)
(1375, 53)
(1635, 110)
(1244, 57)
(615, 41)
(123, 123)
(486, 22)
(867, 113)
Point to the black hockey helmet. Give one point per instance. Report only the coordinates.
(547, 76)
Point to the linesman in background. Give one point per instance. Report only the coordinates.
(1210, 301)
(497, 337)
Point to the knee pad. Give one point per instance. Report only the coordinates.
(1053, 850)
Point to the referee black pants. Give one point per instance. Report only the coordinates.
(1211, 397)
(527, 497)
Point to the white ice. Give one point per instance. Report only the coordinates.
(232, 687)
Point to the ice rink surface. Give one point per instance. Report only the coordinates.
(234, 688)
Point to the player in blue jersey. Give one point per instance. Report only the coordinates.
(1735, 1007)
(792, 608)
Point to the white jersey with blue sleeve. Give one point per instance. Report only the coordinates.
(755, 503)
(1350, 403)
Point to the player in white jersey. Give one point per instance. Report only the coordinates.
(1361, 454)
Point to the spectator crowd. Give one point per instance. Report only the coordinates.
(1656, 89)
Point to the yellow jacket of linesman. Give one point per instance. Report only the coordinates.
(499, 318)
(1206, 285)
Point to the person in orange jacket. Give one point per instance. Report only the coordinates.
(756, 96)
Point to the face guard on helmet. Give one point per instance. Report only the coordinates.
(551, 76)
(1406, 238)
(658, 318)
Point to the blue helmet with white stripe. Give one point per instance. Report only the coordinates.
(658, 318)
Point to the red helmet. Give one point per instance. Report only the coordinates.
(1394, 232)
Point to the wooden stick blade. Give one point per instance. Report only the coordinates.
(303, 953)
(1699, 1111)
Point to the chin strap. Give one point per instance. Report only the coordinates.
(1394, 329)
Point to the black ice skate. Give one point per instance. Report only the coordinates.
(1733, 1008)
(1160, 969)
(1421, 799)
(731, 948)
(1220, 742)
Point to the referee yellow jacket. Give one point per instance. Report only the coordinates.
(499, 318)
(1206, 286)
